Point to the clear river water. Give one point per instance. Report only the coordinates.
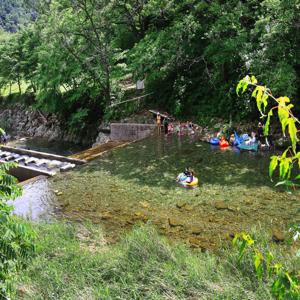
(136, 184)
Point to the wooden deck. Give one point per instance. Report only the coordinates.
(97, 151)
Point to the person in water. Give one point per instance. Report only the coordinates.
(232, 140)
(260, 132)
(262, 139)
(189, 173)
(252, 140)
(166, 124)
(170, 128)
(158, 122)
(222, 139)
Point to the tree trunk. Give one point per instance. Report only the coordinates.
(19, 85)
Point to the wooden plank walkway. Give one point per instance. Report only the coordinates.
(97, 151)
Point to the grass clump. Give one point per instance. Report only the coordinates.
(74, 262)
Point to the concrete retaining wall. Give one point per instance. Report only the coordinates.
(23, 173)
(130, 131)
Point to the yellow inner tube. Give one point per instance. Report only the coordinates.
(193, 183)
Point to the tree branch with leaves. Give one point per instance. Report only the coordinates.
(289, 122)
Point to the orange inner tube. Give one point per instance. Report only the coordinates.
(224, 144)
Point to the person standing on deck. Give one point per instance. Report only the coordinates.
(158, 122)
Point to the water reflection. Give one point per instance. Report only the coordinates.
(36, 202)
(44, 145)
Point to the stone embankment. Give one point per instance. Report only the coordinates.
(25, 122)
(21, 122)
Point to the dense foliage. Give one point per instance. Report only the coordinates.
(16, 239)
(14, 13)
(285, 284)
(76, 57)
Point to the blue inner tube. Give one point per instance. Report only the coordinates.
(214, 141)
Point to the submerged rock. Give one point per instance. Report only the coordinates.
(277, 235)
(106, 216)
(174, 222)
(180, 204)
(145, 204)
(195, 243)
(196, 230)
(188, 207)
(220, 205)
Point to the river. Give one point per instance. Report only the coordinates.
(136, 184)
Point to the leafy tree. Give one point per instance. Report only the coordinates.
(76, 54)
(14, 14)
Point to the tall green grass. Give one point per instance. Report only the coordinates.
(76, 263)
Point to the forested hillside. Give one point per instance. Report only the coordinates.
(14, 13)
(77, 55)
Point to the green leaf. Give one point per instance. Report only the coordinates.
(246, 237)
(261, 97)
(235, 239)
(282, 113)
(253, 79)
(293, 133)
(283, 100)
(258, 258)
(243, 85)
(273, 165)
(264, 100)
(239, 86)
(267, 125)
(284, 167)
(284, 124)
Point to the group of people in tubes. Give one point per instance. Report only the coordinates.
(244, 141)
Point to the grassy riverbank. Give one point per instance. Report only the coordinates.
(74, 262)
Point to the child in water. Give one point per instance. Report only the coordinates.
(189, 173)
